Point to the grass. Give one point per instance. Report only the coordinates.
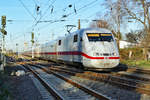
(136, 60)
(134, 63)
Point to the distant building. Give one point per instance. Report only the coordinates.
(124, 44)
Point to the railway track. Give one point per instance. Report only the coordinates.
(126, 81)
(123, 74)
(57, 95)
(141, 85)
(139, 71)
(45, 84)
(133, 77)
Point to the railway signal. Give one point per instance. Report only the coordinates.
(32, 36)
(3, 23)
(3, 31)
(3, 20)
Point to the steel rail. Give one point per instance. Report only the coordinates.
(113, 80)
(137, 70)
(142, 79)
(50, 89)
(82, 87)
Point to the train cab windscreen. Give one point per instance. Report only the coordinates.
(93, 37)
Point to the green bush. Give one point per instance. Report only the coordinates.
(137, 54)
(136, 60)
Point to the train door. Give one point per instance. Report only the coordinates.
(69, 48)
(55, 51)
(75, 48)
(80, 44)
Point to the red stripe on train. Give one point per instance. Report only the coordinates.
(87, 56)
(77, 53)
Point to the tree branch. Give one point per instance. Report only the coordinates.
(133, 15)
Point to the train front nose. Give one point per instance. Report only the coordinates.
(102, 57)
(102, 51)
(105, 55)
(105, 58)
(106, 62)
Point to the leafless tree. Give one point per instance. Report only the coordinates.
(115, 16)
(100, 24)
(139, 10)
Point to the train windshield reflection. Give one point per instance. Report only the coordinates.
(93, 37)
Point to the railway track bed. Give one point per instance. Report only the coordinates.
(65, 90)
(102, 86)
(131, 84)
(139, 71)
(105, 88)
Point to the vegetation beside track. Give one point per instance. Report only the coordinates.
(134, 57)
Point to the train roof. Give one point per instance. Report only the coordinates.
(103, 30)
(49, 43)
(95, 29)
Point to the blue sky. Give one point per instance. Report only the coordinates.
(23, 14)
(24, 18)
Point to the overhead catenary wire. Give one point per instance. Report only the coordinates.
(88, 18)
(37, 8)
(20, 20)
(86, 5)
(35, 19)
(53, 21)
(27, 9)
(74, 8)
(44, 13)
(82, 7)
(59, 20)
(35, 2)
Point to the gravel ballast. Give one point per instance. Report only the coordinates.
(21, 87)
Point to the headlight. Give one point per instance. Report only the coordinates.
(114, 54)
(96, 54)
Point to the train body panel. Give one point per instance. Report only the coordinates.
(36, 51)
(91, 47)
(69, 48)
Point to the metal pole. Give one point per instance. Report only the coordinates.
(17, 49)
(79, 26)
(4, 51)
(3, 59)
(32, 41)
(2, 55)
(32, 50)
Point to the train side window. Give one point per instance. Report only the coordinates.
(75, 38)
(59, 42)
(81, 39)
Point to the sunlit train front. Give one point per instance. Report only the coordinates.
(99, 49)
(92, 47)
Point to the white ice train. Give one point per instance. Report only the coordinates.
(94, 48)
